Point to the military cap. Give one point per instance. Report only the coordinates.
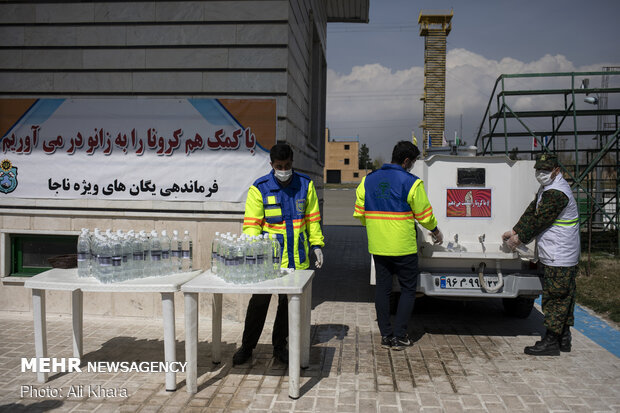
(546, 161)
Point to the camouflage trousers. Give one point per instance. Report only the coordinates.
(558, 300)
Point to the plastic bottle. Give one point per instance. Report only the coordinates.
(251, 261)
(146, 250)
(229, 260)
(117, 258)
(187, 252)
(155, 254)
(84, 254)
(276, 256)
(240, 274)
(104, 258)
(215, 245)
(165, 253)
(175, 254)
(138, 256)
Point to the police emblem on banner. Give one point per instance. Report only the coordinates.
(8, 177)
(301, 205)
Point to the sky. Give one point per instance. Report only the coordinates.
(376, 70)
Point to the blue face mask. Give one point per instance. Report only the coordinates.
(283, 176)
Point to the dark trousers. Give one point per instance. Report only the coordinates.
(406, 269)
(255, 321)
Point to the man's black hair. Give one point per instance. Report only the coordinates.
(404, 150)
(281, 152)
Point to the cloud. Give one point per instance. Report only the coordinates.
(382, 106)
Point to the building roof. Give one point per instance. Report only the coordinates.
(347, 11)
(345, 139)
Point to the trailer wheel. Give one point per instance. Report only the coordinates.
(519, 307)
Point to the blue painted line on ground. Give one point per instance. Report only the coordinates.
(596, 329)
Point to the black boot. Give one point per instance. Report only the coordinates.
(548, 346)
(565, 340)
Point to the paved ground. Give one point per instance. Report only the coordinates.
(467, 357)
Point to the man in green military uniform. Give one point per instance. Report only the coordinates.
(553, 219)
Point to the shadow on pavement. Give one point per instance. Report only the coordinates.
(345, 277)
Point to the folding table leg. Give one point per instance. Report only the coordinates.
(77, 312)
(216, 324)
(167, 302)
(191, 342)
(306, 312)
(40, 329)
(294, 320)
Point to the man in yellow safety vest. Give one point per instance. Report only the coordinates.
(283, 203)
(389, 201)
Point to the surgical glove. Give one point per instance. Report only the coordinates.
(437, 237)
(513, 242)
(506, 235)
(319, 258)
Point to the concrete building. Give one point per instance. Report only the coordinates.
(342, 160)
(130, 57)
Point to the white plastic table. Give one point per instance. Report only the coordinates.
(68, 280)
(298, 287)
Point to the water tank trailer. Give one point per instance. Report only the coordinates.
(475, 200)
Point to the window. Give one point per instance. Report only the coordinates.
(30, 253)
(356, 174)
(347, 147)
(346, 161)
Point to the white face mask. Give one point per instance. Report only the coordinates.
(283, 176)
(544, 177)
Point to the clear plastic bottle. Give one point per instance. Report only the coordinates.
(104, 259)
(165, 253)
(215, 245)
(127, 257)
(276, 256)
(155, 254)
(175, 254)
(251, 259)
(240, 262)
(117, 258)
(187, 252)
(84, 254)
(229, 259)
(146, 250)
(138, 256)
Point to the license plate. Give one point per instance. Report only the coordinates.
(462, 282)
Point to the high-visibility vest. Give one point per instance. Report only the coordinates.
(559, 245)
(389, 201)
(291, 213)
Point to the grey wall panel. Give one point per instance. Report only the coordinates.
(26, 82)
(255, 82)
(52, 59)
(65, 13)
(187, 58)
(113, 58)
(11, 59)
(125, 11)
(257, 58)
(166, 11)
(17, 13)
(101, 36)
(245, 10)
(167, 82)
(92, 82)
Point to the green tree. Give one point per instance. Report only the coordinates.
(377, 163)
(364, 157)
